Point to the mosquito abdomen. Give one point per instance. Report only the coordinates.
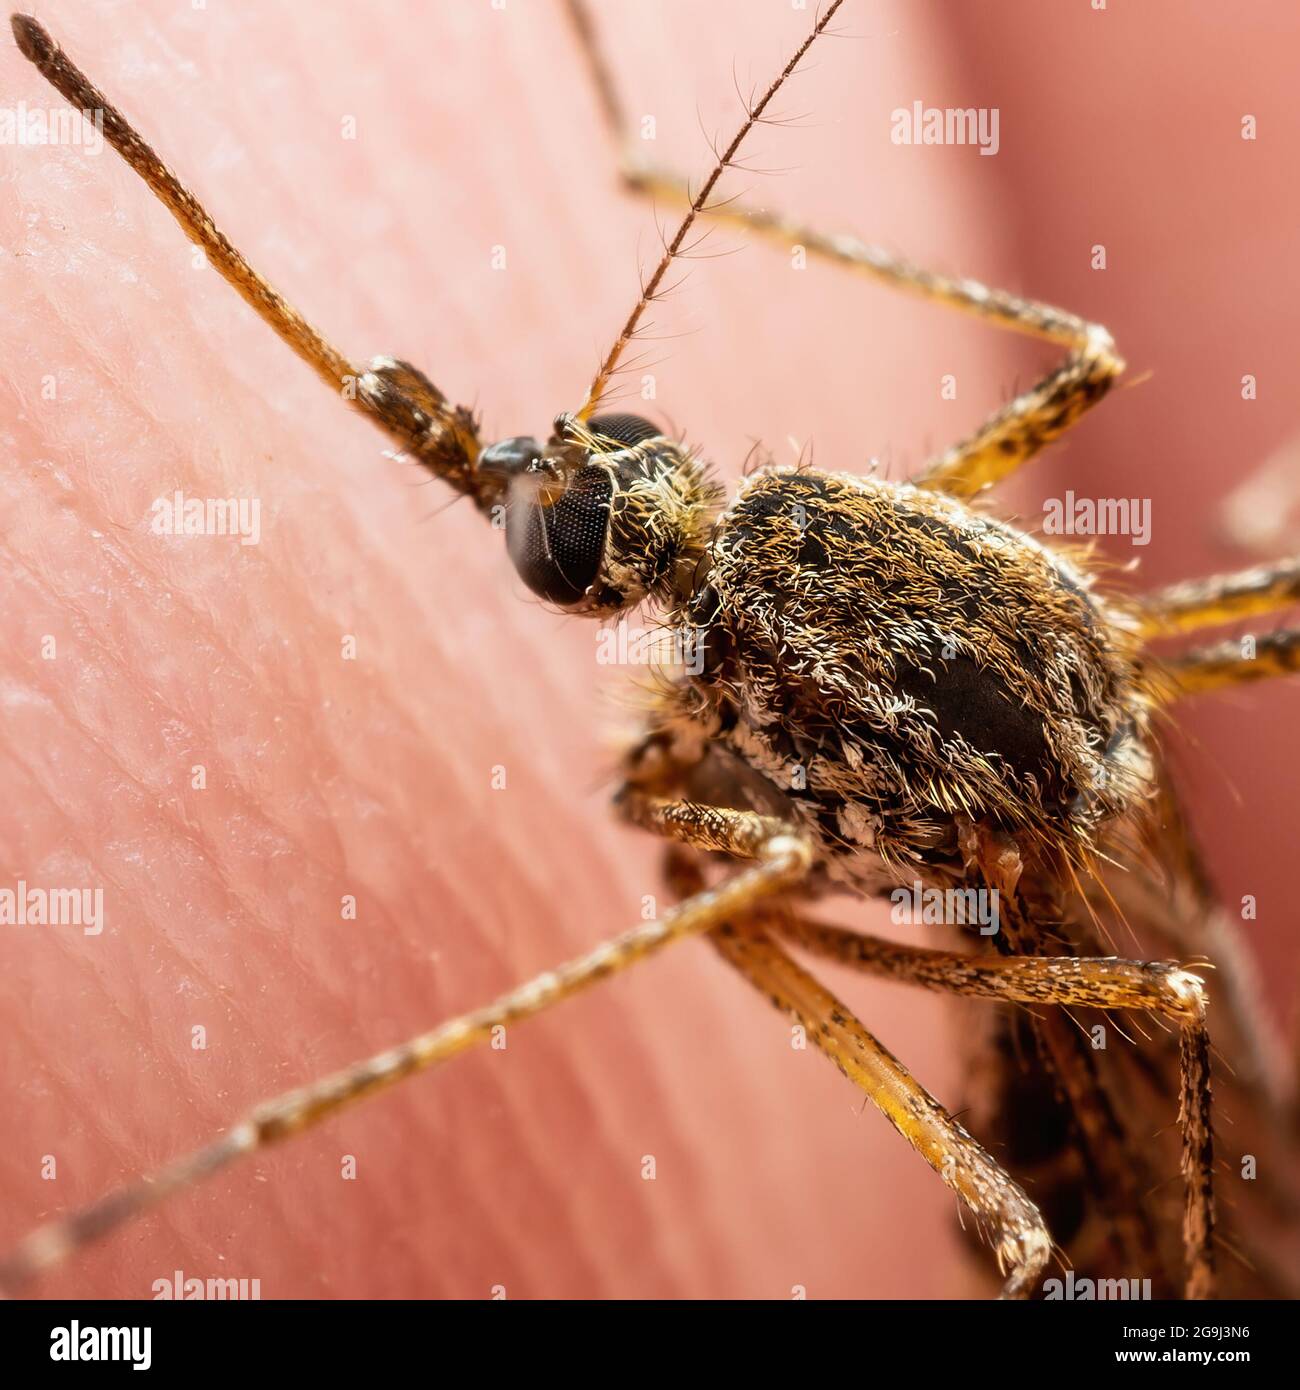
(893, 659)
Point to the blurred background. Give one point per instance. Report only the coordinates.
(433, 180)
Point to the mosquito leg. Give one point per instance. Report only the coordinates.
(1012, 435)
(781, 858)
(700, 826)
(401, 400)
(1221, 598)
(1109, 983)
(1021, 1238)
(1020, 429)
(1179, 909)
(1030, 916)
(1225, 664)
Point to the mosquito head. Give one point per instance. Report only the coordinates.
(604, 515)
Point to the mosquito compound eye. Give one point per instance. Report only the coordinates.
(555, 530)
(626, 429)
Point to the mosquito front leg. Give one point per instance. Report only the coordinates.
(1163, 987)
(1020, 1236)
(782, 859)
(400, 399)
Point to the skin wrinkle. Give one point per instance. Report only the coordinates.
(25, 1024)
(504, 973)
(116, 1131)
(183, 825)
(214, 630)
(295, 1105)
(194, 963)
(111, 369)
(41, 789)
(499, 1221)
(534, 1112)
(487, 1218)
(196, 847)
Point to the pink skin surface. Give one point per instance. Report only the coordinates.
(477, 129)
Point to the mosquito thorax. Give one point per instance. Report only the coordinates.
(604, 514)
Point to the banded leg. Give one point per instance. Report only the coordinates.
(1109, 983)
(1178, 908)
(1225, 664)
(1020, 1237)
(782, 860)
(1222, 598)
(398, 397)
(1013, 434)
(703, 827)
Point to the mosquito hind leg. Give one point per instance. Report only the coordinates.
(1016, 1226)
(1221, 598)
(1230, 663)
(1162, 987)
(1189, 606)
(781, 858)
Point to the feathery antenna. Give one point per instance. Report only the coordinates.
(698, 205)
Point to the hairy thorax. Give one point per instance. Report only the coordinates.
(891, 664)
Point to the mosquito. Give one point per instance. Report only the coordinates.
(889, 688)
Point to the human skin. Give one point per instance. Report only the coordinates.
(520, 1169)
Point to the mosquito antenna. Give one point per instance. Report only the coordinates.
(62, 73)
(698, 204)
